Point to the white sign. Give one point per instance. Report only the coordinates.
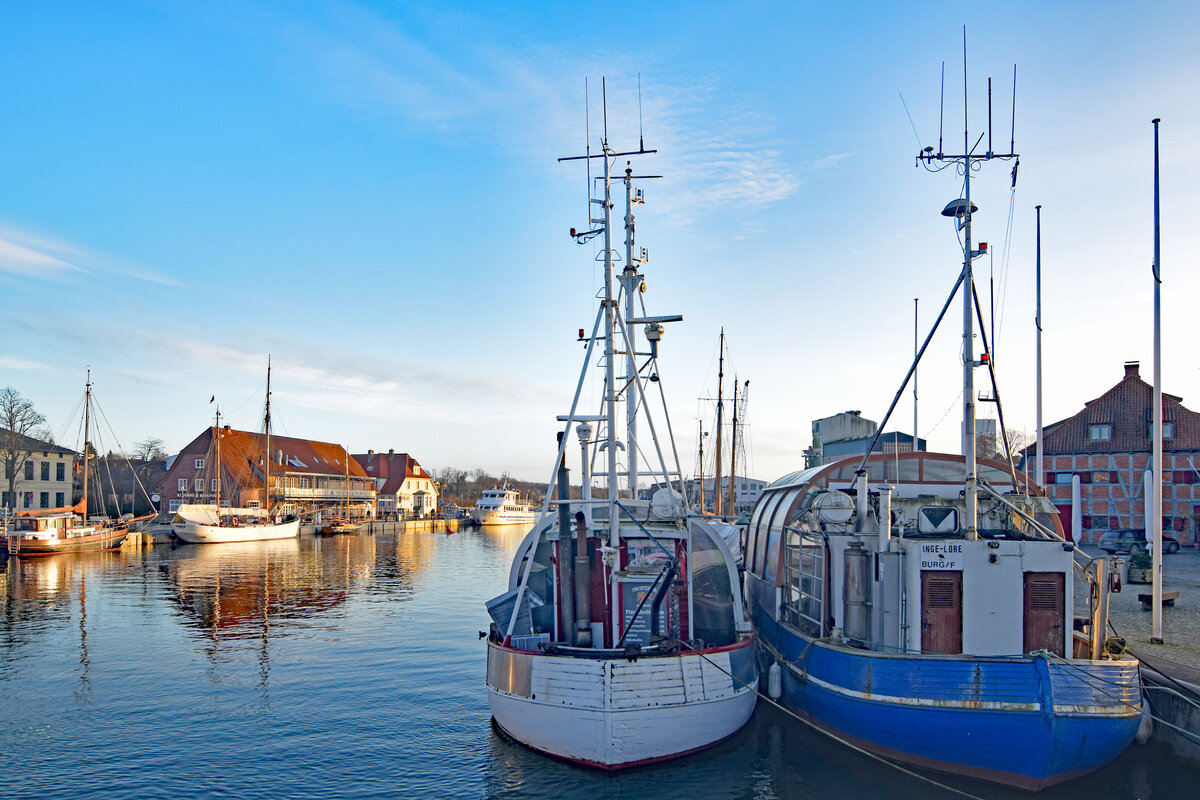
(941, 555)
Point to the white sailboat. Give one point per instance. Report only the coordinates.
(622, 639)
(197, 524)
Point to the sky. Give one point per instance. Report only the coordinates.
(369, 193)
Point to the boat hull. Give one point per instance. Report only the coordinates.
(497, 517)
(200, 533)
(619, 712)
(94, 542)
(1027, 721)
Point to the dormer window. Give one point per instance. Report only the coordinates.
(199, 463)
(1168, 430)
(1100, 433)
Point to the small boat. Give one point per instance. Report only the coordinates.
(47, 531)
(921, 605)
(211, 523)
(502, 506)
(622, 639)
(342, 525)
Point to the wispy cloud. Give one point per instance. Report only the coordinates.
(33, 255)
(17, 363)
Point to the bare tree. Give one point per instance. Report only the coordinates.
(22, 432)
(149, 449)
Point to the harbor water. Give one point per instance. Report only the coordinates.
(348, 667)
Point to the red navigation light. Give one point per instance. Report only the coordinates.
(983, 247)
(573, 233)
(581, 334)
(985, 357)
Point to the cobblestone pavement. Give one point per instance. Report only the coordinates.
(1179, 654)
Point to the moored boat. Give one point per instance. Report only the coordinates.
(502, 506)
(921, 605)
(622, 639)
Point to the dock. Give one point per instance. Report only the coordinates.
(161, 534)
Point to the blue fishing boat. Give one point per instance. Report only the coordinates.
(921, 606)
(929, 647)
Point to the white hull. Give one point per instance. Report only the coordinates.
(200, 533)
(617, 712)
(498, 517)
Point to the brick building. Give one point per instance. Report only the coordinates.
(1108, 445)
(306, 475)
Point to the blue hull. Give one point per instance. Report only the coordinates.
(1025, 721)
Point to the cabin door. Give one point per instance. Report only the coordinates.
(1045, 601)
(941, 611)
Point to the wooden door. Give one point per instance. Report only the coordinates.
(1045, 601)
(941, 611)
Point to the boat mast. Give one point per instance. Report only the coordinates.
(217, 441)
(87, 419)
(701, 466)
(733, 440)
(717, 507)
(629, 283)
(267, 451)
(610, 333)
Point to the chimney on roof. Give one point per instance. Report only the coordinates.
(1131, 369)
(370, 454)
(391, 452)
(278, 456)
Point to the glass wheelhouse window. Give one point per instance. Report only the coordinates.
(804, 582)
(778, 520)
(712, 594)
(764, 522)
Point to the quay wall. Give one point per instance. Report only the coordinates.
(161, 534)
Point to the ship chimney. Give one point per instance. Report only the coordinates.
(1131, 369)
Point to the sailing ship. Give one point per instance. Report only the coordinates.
(197, 524)
(622, 639)
(502, 506)
(41, 532)
(921, 606)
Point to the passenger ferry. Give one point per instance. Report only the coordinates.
(502, 507)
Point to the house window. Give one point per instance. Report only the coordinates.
(60, 471)
(173, 506)
(183, 484)
(199, 463)
(45, 470)
(253, 504)
(1100, 433)
(28, 470)
(1063, 478)
(44, 498)
(199, 485)
(213, 485)
(59, 500)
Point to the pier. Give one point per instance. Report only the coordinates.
(161, 534)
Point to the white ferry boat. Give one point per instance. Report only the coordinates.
(502, 507)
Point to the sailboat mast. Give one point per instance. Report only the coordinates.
(87, 419)
(701, 466)
(267, 450)
(217, 440)
(717, 509)
(733, 444)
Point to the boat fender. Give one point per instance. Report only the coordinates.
(1146, 726)
(774, 681)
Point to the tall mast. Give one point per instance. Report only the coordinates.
(1038, 325)
(733, 441)
(701, 466)
(610, 333)
(717, 506)
(629, 282)
(87, 419)
(267, 451)
(217, 440)
(1156, 503)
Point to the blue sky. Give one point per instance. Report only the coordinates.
(370, 193)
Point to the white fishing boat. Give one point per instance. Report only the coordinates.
(502, 506)
(210, 523)
(622, 639)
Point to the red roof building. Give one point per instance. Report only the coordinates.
(306, 475)
(401, 484)
(1108, 445)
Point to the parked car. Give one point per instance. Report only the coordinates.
(1134, 542)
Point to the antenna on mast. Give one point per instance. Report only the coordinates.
(641, 138)
(1012, 131)
(942, 108)
(989, 115)
(604, 102)
(587, 141)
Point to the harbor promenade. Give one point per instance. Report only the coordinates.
(161, 534)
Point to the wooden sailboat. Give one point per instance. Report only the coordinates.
(197, 524)
(48, 531)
